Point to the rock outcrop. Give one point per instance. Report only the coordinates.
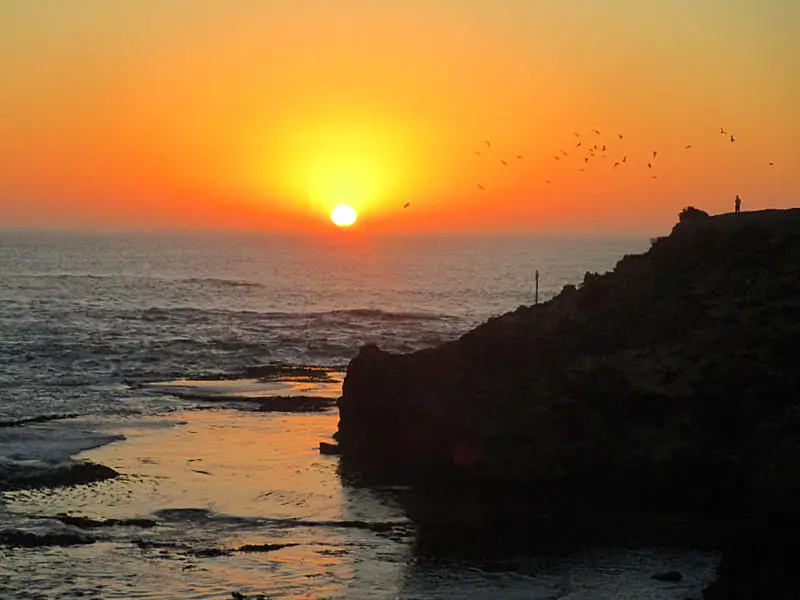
(670, 384)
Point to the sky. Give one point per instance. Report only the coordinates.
(265, 114)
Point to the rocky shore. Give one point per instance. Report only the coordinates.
(668, 386)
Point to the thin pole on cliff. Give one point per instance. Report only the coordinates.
(536, 293)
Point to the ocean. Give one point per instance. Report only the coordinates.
(101, 336)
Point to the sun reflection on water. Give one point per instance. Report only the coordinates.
(222, 480)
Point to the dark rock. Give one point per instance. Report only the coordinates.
(263, 547)
(153, 544)
(759, 567)
(87, 523)
(21, 476)
(666, 386)
(671, 576)
(210, 552)
(328, 448)
(690, 213)
(17, 538)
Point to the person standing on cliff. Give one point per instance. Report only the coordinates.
(737, 204)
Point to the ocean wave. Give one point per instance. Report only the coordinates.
(217, 281)
(375, 313)
(37, 419)
(160, 313)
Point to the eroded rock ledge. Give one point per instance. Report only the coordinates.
(670, 384)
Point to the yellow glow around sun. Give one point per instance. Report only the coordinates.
(366, 157)
(344, 215)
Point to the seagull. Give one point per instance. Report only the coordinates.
(564, 153)
(604, 147)
(597, 132)
(772, 164)
(624, 159)
(687, 147)
(407, 204)
(649, 165)
(594, 147)
(480, 186)
(505, 164)
(654, 177)
(577, 134)
(620, 135)
(557, 158)
(655, 153)
(722, 131)
(520, 156)
(547, 181)
(733, 139)
(578, 144)
(488, 145)
(616, 164)
(585, 160)
(477, 153)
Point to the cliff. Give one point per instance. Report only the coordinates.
(668, 384)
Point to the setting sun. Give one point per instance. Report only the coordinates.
(343, 215)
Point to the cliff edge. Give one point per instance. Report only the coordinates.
(671, 383)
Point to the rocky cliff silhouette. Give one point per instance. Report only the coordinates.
(670, 384)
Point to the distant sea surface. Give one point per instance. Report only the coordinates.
(88, 323)
(82, 315)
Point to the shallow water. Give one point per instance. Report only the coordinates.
(219, 479)
(138, 352)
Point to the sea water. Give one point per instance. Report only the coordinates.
(89, 322)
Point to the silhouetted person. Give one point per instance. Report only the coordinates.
(737, 204)
(536, 296)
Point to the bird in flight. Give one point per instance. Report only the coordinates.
(772, 164)
(616, 164)
(477, 153)
(407, 204)
(564, 153)
(548, 181)
(577, 134)
(505, 164)
(649, 165)
(520, 156)
(480, 186)
(578, 144)
(722, 131)
(586, 160)
(687, 147)
(488, 145)
(624, 159)
(556, 157)
(733, 139)
(604, 147)
(654, 177)
(597, 132)
(620, 135)
(655, 153)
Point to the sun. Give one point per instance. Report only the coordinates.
(344, 215)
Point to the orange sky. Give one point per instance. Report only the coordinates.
(249, 114)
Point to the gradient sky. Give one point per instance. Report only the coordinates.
(264, 114)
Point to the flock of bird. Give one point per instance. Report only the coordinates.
(591, 147)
